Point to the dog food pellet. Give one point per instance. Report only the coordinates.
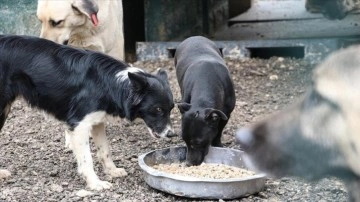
(205, 170)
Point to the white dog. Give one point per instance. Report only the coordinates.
(89, 24)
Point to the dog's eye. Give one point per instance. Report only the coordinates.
(159, 110)
(56, 23)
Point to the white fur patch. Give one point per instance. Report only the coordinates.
(103, 152)
(151, 133)
(123, 75)
(89, 121)
(67, 139)
(94, 118)
(78, 141)
(7, 109)
(166, 130)
(163, 133)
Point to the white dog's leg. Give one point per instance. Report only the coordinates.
(4, 174)
(103, 152)
(79, 143)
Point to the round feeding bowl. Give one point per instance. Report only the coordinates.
(195, 187)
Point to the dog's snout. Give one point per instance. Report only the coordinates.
(167, 132)
(188, 163)
(194, 158)
(193, 161)
(244, 137)
(66, 42)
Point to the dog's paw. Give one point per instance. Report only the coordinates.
(116, 172)
(99, 185)
(4, 174)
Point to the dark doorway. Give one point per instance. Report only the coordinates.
(134, 29)
(237, 7)
(268, 52)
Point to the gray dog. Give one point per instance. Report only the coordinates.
(318, 137)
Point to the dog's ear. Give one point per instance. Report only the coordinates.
(138, 81)
(162, 75)
(214, 114)
(183, 107)
(88, 8)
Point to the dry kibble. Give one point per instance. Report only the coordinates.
(273, 77)
(205, 170)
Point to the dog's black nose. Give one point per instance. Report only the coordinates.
(193, 162)
(66, 42)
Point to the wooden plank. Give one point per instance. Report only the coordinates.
(313, 28)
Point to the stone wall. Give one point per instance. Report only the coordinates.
(19, 17)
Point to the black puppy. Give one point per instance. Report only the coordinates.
(207, 94)
(80, 88)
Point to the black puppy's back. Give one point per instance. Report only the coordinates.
(199, 64)
(195, 49)
(202, 45)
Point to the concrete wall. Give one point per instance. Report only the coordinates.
(19, 17)
(217, 15)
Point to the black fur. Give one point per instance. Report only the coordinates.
(208, 95)
(71, 83)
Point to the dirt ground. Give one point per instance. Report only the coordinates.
(32, 145)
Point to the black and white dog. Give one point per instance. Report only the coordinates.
(80, 88)
(208, 95)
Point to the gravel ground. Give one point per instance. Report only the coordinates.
(32, 144)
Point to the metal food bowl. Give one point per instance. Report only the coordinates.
(199, 188)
